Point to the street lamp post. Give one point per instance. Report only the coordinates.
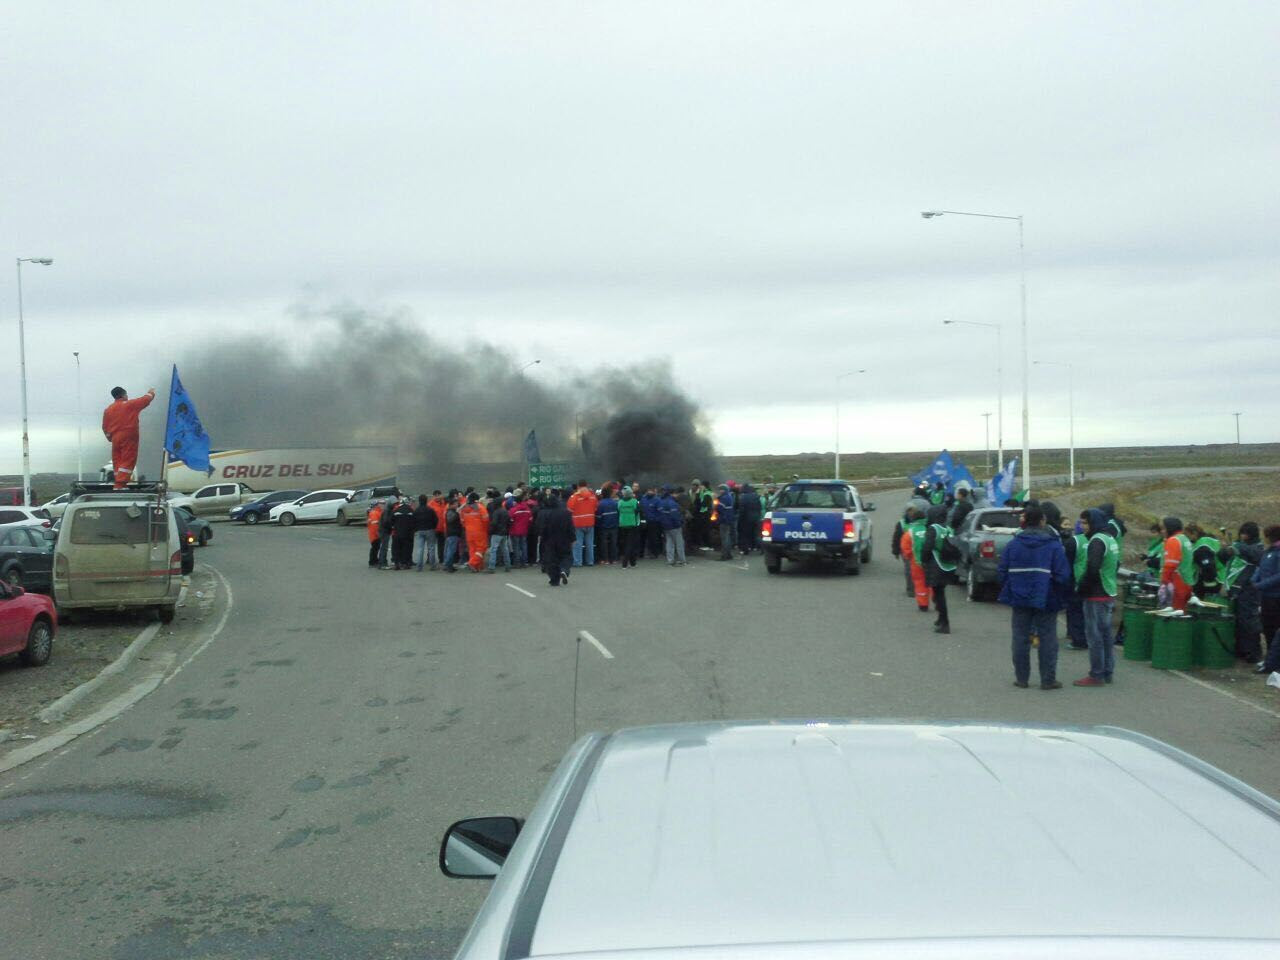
(987, 434)
(1071, 414)
(1237, 416)
(838, 379)
(79, 422)
(528, 365)
(999, 383)
(22, 368)
(1026, 374)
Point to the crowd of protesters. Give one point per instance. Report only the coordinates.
(1070, 565)
(557, 530)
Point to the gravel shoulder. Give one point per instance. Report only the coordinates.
(82, 649)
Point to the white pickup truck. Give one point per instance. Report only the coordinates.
(216, 499)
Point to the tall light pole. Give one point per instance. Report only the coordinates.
(1026, 373)
(838, 379)
(1071, 413)
(1237, 416)
(22, 367)
(999, 383)
(79, 422)
(528, 365)
(987, 433)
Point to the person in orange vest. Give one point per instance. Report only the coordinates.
(120, 426)
(912, 537)
(1178, 570)
(582, 505)
(439, 503)
(371, 525)
(475, 523)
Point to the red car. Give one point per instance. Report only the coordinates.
(28, 623)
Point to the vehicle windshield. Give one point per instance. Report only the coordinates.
(813, 496)
(118, 524)
(999, 518)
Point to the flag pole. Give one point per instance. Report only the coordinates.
(168, 412)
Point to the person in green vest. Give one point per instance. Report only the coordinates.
(1241, 560)
(1098, 588)
(1208, 570)
(939, 563)
(628, 527)
(1177, 571)
(938, 494)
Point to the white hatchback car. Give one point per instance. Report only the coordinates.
(317, 505)
(25, 516)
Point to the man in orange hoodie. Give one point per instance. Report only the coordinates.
(475, 523)
(582, 505)
(912, 536)
(120, 426)
(1178, 570)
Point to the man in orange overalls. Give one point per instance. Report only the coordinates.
(912, 538)
(372, 522)
(475, 524)
(120, 426)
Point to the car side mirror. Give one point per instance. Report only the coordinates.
(868, 507)
(15, 591)
(477, 847)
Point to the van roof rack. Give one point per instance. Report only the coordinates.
(84, 488)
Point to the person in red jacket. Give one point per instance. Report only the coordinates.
(582, 505)
(521, 520)
(120, 426)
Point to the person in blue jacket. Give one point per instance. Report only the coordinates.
(1267, 582)
(727, 518)
(671, 519)
(607, 526)
(1034, 576)
(652, 529)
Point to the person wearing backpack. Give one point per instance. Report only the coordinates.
(1034, 577)
(940, 556)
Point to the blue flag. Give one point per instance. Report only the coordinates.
(946, 470)
(1000, 487)
(184, 435)
(531, 448)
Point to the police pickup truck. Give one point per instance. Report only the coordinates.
(817, 520)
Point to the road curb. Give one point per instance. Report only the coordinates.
(58, 709)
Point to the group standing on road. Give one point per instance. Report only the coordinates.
(1072, 566)
(558, 530)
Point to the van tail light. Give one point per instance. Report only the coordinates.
(175, 562)
(987, 550)
(62, 568)
(47, 523)
(766, 529)
(848, 530)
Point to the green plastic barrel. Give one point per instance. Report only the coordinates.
(1213, 640)
(1171, 643)
(1137, 634)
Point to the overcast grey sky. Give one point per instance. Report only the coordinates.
(735, 186)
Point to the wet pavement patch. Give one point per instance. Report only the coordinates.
(274, 663)
(125, 801)
(209, 713)
(127, 744)
(371, 816)
(376, 702)
(309, 784)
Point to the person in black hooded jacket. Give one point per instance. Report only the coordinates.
(557, 534)
(937, 575)
(1071, 602)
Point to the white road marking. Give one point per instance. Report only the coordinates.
(744, 566)
(522, 590)
(222, 622)
(1227, 693)
(604, 651)
(323, 539)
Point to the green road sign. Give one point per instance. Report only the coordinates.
(548, 474)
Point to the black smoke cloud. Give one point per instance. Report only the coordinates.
(363, 377)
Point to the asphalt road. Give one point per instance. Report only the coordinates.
(283, 795)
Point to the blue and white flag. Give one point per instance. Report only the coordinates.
(1000, 487)
(531, 448)
(184, 435)
(946, 470)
